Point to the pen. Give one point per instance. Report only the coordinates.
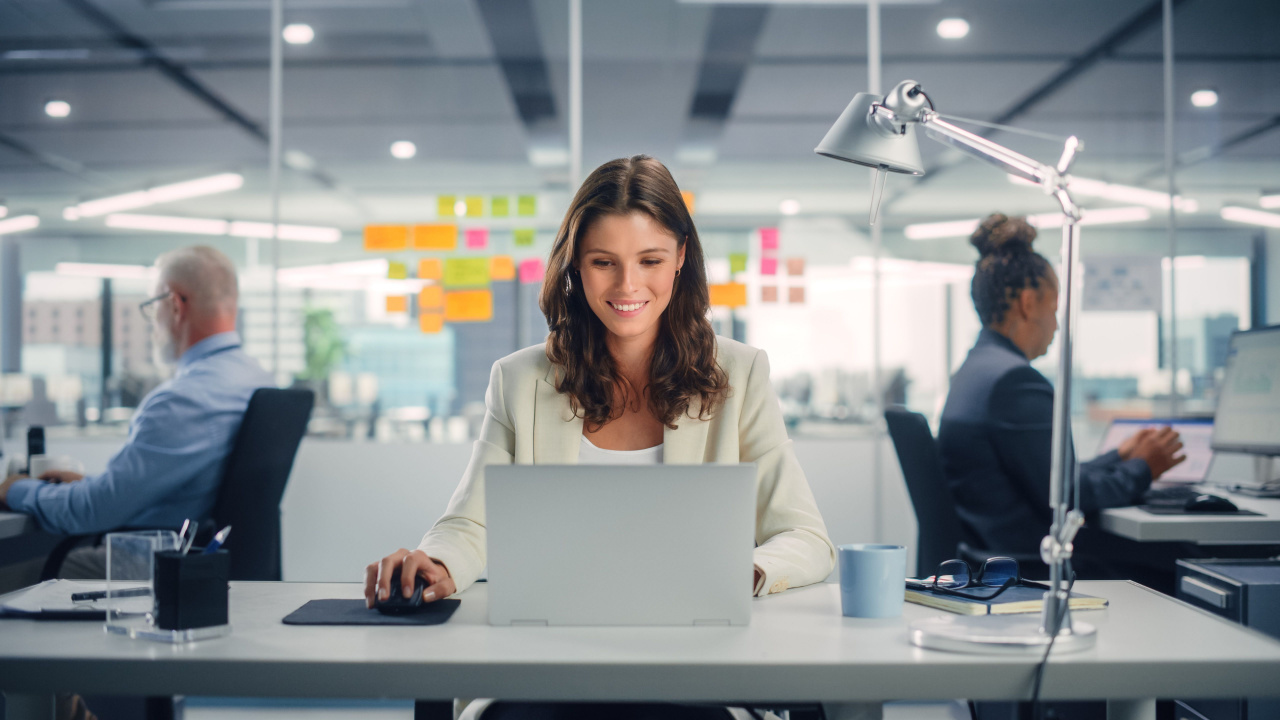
(182, 535)
(217, 540)
(189, 539)
(102, 594)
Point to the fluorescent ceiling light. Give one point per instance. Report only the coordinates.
(1120, 193)
(1271, 202)
(548, 156)
(953, 28)
(298, 34)
(403, 149)
(789, 207)
(57, 108)
(210, 226)
(356, 268)
(161, 194)
(964, 228)
(1251, 217)
(103, 270)
(1204, 98)
(5, 211)
(19, 223)
(301, 233)
(946, 229)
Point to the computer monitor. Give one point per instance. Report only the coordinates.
(1248, 415)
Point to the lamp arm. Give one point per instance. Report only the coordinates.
(983, 149)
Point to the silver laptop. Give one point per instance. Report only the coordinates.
(620, 545)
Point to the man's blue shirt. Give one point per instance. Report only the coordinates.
(170, 467)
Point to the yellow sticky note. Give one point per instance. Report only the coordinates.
(737, 262)
(475, 206)
(502, 267)
(431, 298)
(728, 294)
(397, 304)
(688, 200)
(525, 236)
(466, 272)
(397, 270)
(435, 237)
(431, 323)
(468, 306)
(430, 269)
(500, 206)
(445, 205)
(384, 238)
(527, 205)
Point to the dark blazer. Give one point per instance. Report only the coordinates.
(996, 438)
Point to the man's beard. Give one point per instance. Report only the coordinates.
(164, 351)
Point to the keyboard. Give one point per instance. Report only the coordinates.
(1173, 496)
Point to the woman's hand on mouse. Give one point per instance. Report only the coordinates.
(377, 576)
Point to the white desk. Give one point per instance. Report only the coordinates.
(797, 649)
(14, 525)
(1138, 524)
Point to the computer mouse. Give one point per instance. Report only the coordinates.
(1209, 503)
(396, 603)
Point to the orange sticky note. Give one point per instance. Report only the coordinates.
(795, 295)
(384, 238)
(431, 322)
(502, 267)
(431, 297)
(430, 269)
(468, 306)
(435, 237)
(688, 200)
(728, 294)
(769, 293)
(397, 304)
(795, 266)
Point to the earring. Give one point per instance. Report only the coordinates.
(568, 282)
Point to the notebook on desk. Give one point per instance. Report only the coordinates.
(620, 545)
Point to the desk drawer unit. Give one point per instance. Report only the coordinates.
(1245, 592)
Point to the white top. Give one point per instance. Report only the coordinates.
(589, 454)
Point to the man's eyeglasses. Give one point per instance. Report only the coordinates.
(953, 576)
(148, 307)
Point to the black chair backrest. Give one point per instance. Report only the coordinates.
(254, 477)
(940, 532)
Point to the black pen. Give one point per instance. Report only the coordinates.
(102, 594)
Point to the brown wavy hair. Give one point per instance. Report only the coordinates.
(684, 357)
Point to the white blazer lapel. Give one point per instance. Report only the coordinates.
(557, 433)
(687, 444)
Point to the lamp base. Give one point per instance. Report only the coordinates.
(998, 635)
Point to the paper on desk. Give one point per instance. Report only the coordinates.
(52, 595)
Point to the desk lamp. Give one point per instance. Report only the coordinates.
(879, 132)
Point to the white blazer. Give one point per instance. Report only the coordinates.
(528, 422)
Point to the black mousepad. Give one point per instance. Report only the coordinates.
(354, 612)
(1163, 510)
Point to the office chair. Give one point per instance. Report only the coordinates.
(253, 481)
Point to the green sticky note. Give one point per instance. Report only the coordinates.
(466, 272)
(525, 236)
(501, 206)
(397, 270)
(444, 206)
(737, 262)
(527, 205)
(475, 206)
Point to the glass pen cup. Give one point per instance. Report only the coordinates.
(130, 603)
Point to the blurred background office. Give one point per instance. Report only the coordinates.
(424, 151)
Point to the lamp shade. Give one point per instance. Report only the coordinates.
(853, 139)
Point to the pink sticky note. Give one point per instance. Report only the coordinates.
(768, 266)
(531, 271)
(477, 238)
(768, 238)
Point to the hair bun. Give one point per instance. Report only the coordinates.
(999, 234)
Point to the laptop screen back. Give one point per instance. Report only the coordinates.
(1196, 434)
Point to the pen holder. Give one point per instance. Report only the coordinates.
(191, 590)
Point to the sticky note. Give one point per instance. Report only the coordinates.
(475, 206)
(502, 267)
(737, 262)
(525, 236)
(397, 304)
(431, 322)
(435, 237)
(431, 298)
(445, 206)
(468, 306)
(384, 238)
(500, 206)
(768, 266)
(397, 270)
(795, 294)
(477, 238)
(728, 294)
(527, 205)
(531, 270)
(795, 266)
(466, 272)
(688, 200)
(769, 294)
(430, 269)
(768, 238)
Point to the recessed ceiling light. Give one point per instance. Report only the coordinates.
(953, 28)
(57, 108)
(403, 149)
(298, 34)
(789, 207)
(1204, 98)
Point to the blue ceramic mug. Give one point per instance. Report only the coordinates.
(872, 580)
